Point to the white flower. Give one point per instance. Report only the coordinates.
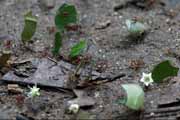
(34, 91)
(147, 79)
(74, 108)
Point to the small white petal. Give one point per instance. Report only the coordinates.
(146, 79)
(146, 83)
(142, 79)
(150, 74)
(144, 74)
(74, 108)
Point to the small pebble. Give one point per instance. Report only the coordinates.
(96, 94)
(124, 27)
(170, 29)
(152, 102)
(74, 108)
(37, 15)
(120, 17)
(100, 106)
(115, 13)
(117, 63)
(167, 20)
(152, 114)
(100, 50)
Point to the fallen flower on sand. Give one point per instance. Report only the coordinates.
(147, 79)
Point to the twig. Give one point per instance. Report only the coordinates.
(45, 87)
(78, 67)
(99, 80)
(163, 110)
(51, 59)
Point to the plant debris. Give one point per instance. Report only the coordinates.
(4, 57)
(14, 88)
(89, 76)
(66, 15)
(57, 43)
(29, 28)
(164, 70)
(136, 64)
(135, 96)
(82, 100)
(46, 74)
(78, 48)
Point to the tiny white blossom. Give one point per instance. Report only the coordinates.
(74, 108)
(34, 91)
(147, 79)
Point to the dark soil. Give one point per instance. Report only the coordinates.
(104, 28)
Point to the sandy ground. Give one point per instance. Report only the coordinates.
(109, 44)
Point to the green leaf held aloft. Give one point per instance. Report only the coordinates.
(135, 28)
(29, 28)
(57, 43)
(78, 49)
(164, 70)
(135, 96)
(65, 15)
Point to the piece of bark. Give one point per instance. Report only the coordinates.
(14, 88)
(82, 100)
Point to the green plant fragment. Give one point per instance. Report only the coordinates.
(65, 15)
(164, 70)
(77, 49)
(29, 28)
(135, 28)
(57, 43)
(135, 96)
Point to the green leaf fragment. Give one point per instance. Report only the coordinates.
(66, 15)
(164, 70)
(135, 96)
(57, 43)
(29, 28)
(77, 49)
(121, 101)
(135, 28)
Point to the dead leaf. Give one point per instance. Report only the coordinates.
(136, 64)
(14, 88)
(4, 57)
(82, 100)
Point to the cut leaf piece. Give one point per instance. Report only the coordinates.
(164, 70)
(66, 15)
(29, 28)
(135, 96)
(135, 28)
(57, 43)
(78, 49)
